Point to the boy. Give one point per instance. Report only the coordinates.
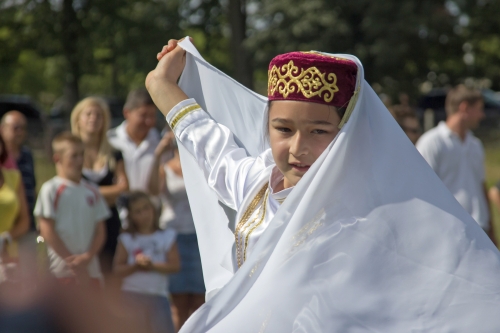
(335, 231)
(71, 214)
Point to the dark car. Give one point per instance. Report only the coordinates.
(435, 100)
(31, 111)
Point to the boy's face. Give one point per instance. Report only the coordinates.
(298, 133)
(70, 160)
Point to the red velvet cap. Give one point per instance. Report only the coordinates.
(312, 77)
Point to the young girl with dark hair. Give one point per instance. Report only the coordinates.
(144, 257)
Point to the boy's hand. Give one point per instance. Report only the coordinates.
(172, 60)
(162, 81)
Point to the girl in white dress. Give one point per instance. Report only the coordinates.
(144, 257)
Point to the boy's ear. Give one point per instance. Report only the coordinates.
(56, 157)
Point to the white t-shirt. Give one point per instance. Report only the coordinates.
(177, 214)
(76, 209)
(460, 165)
(138, 158)
(156, 246)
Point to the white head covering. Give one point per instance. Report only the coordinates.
(369, 240)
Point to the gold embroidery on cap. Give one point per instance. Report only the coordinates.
(310, 82)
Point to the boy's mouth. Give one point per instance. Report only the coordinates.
(300, 167)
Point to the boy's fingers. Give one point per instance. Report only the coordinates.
(171, 44)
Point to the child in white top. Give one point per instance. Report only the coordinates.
(144, 256)
(70, 213)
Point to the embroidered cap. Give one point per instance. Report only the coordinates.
(312, 77)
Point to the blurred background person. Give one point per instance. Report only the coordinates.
(457, 156)
(137, 137)
(102, 166)
(13, 128)
(144, 258)
(14, 217)
(407, 119)
(186, 287)
(71, 214)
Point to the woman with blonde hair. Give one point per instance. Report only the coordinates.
(102, 165)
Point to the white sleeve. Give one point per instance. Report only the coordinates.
(224, 163)
(429, 149)
(45, 202)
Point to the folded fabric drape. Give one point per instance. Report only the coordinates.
(369, 240)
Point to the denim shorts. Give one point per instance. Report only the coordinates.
(190, 278)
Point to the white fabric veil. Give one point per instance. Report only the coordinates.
(370, 240)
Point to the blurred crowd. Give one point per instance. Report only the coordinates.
(115, 220)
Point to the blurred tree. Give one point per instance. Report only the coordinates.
(101, 46)
(481, 48)
(399, 42)
(107, 46)
(242, 62)
(219, 28)
(207, 23)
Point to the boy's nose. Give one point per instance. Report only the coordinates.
(298, 145)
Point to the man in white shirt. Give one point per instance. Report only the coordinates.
(137, 138)
(457, 156)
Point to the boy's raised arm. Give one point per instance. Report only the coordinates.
(162, 81)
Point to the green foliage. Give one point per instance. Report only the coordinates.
(107, 47)
(399, 42)
(206, 22)
(103, 47)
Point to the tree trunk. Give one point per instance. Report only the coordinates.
(242, 62)
(70, 35)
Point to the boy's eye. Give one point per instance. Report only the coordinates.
(319, 131)
(283, 129)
